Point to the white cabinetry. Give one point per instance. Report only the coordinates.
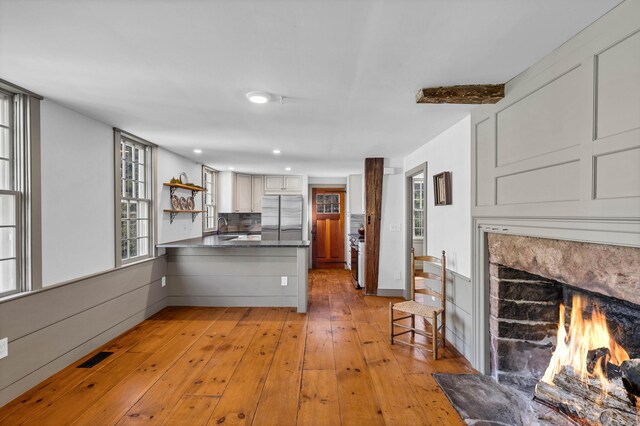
(355, 195)
(226, 192)
(282, 184)
(243, 193)
(240, 193)
(273, 183)
(257, 191)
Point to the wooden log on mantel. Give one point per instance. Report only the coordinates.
(463, 94)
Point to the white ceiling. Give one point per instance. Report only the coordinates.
(176, 72)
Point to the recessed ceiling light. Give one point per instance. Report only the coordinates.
(197, 151)
(231, 168)
(259, 97)
(276, 151)
(288, 169)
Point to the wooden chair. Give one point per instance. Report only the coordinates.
(413, 308)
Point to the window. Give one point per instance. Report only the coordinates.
(418, 208)
(19, 130)
(135, 188)
(210, 217)
(328, 203)
(9, 201)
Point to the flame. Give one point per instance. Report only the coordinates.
(584, 335)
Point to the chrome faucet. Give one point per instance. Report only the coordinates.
(224, 219)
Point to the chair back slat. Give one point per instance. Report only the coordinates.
(428, 275)
(442, 277)
(428, 292)
(413, 274)
(437, 331)
(431, 259)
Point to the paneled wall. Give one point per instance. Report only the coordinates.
(565, 141)
(559, 156)
(53, 327)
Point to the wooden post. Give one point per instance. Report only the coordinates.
(373, 172)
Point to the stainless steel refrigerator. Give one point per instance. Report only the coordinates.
(282, 217)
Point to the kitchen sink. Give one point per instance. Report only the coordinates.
(243, 237)
(247, 238)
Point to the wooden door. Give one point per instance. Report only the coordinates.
(327, 221)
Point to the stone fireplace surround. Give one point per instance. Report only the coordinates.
(529, 277)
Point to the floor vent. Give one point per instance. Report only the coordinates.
(96, 359)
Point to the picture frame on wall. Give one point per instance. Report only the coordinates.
(442, 189)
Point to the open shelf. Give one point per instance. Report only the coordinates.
(173, 214)
(173, 186)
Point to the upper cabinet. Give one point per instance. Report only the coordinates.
(257, 191)
(243, 193)
(226, 192)
(240, 193)
(355, 195)
(282, 184)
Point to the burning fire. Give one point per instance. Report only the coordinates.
(584, 335)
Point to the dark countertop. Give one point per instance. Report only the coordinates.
(218, 241)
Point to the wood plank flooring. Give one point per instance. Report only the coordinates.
(253, 366)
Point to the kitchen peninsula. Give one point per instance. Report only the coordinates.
(233, 270)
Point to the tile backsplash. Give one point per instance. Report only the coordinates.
(241, 222)
(355, 222)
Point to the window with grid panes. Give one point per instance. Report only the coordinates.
(9, 200)
(136, 203)
(210, 217)
(418, 208)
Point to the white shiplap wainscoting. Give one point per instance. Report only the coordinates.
(52, 328)
(559, 156)
(458, 309)
(237, 277)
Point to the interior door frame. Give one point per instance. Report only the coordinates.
(310, 189)
(422, 168)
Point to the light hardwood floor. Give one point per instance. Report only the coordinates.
(260, 366)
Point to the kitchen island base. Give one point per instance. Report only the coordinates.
(242, 276)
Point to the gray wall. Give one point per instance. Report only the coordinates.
(51, 328)
(77, 195)
(448, 227)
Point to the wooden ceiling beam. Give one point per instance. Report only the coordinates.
(469, 94)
